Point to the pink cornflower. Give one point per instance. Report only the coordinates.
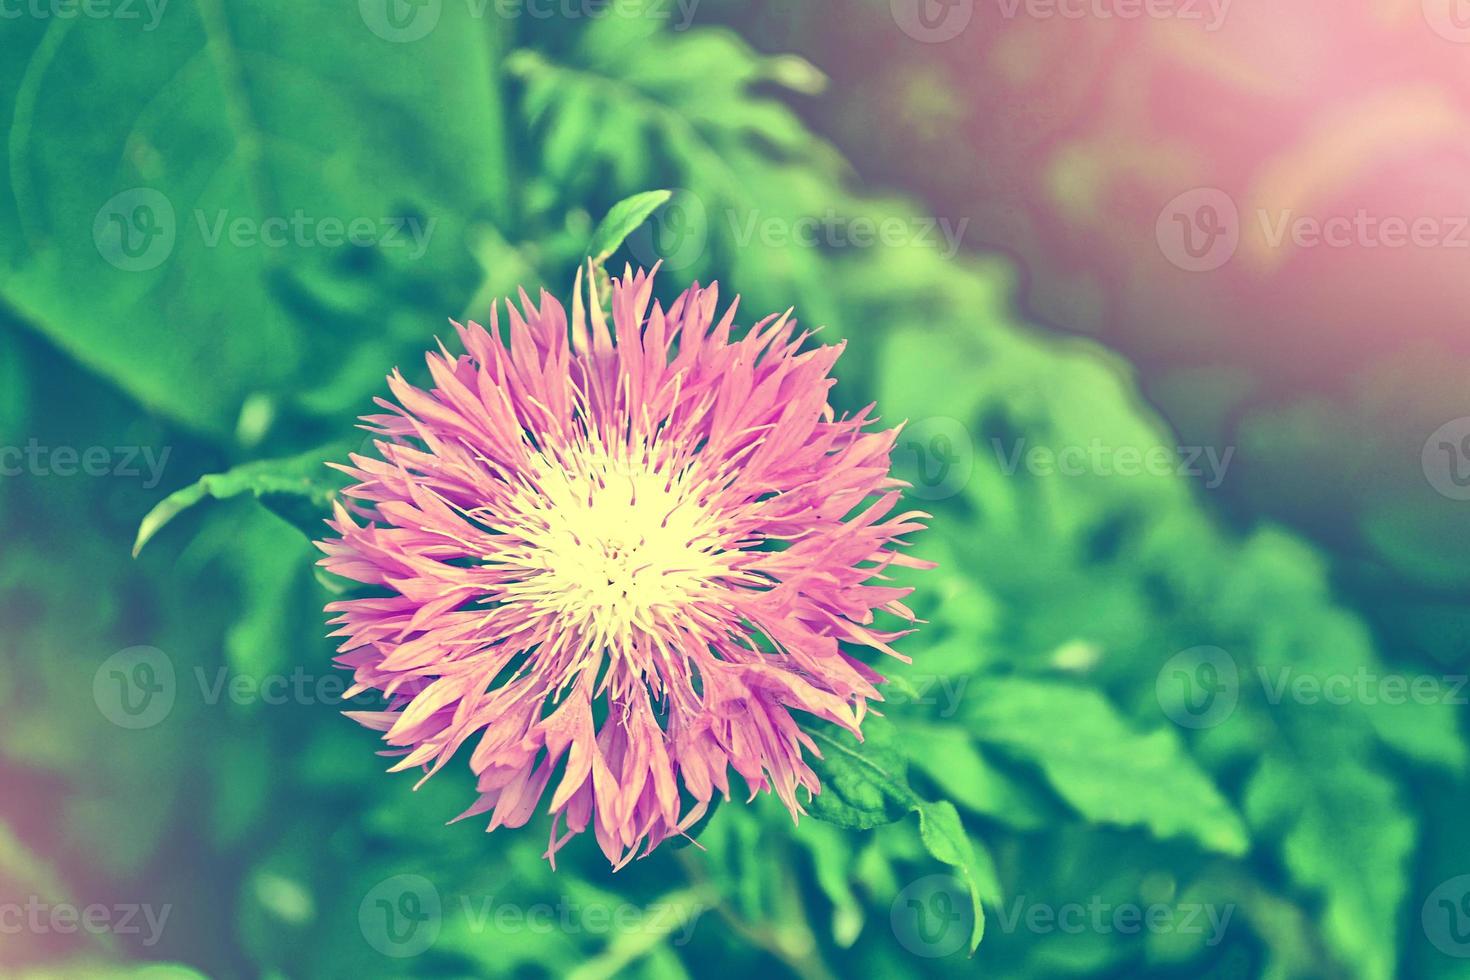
(621, 559)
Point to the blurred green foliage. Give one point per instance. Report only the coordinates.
(1090, 729)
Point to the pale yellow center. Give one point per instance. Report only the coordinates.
(614, 542)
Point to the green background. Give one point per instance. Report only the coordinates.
(1099, 734)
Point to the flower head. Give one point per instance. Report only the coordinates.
(620, 559)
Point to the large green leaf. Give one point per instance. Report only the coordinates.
(182, 190)
(949, 757)
(1107, 770)
(1343, 833)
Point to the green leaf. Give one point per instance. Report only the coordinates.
(945, 839)
(863, 785)
(222, 171)
(300, 489)
(1107, 771)
(622, 221)
(963, 774)
(870, 787)
(1424, 727)
(1345, 834)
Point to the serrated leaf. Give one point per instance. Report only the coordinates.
(1344, 834)
(621, 221)
(1424, 727)
(1107, 771)
(300, 489)
(727, 146)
